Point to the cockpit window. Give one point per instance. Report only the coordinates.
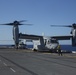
(50, 41)
(54, 41)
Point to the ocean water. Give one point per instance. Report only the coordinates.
(68, 47)
(63, 47)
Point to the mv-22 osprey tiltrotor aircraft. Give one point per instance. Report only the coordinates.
(50, 43)
(41, 43)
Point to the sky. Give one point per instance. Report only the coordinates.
(40, 13)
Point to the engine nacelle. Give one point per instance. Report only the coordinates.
(74, 37)
(73, 42)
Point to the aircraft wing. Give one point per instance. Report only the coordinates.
(26, 36)
(62, 37)
(36, 37)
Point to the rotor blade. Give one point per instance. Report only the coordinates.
(7, 24)
(60, 26)
(22, 21)
(26, 24)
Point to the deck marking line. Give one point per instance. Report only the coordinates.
(12, 69)
(5, 64)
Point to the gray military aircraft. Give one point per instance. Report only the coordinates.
(40, 42)
(72, 36)
(50, 43)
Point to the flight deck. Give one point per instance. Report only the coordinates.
(27, 62)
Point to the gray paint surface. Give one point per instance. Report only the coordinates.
(26, 62)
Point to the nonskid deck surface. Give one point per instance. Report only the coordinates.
(27, 62)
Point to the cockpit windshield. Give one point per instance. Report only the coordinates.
(53, 41)
(50, 41)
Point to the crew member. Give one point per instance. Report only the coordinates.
(59, 50)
